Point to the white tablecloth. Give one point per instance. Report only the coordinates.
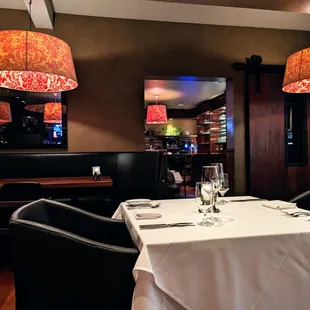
(260, 261)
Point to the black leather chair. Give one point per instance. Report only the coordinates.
(63, 259)
(17, 191)
(302, 200)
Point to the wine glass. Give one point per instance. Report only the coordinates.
(220, 168)
(210, 173)
(204, 200)
(224, 188)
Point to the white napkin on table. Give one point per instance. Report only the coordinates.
(278, 204)
(146, 215)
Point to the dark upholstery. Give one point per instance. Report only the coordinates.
(134, 174)
(63, 259)
(302, 200)
(21, 191)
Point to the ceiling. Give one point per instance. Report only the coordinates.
(185, 93)
(276, 14)
(298, 6)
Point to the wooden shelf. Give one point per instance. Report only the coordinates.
(162, 136)
(212, 131)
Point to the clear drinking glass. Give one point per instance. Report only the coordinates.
(210, 173)
(220, 169)
(224, 188)
(204, 200)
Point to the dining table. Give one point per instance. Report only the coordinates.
(258, 259)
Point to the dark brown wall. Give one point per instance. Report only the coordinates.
(112, 56)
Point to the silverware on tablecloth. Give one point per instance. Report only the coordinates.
(144, 206)
(296, 213)
(247, 200)
(156, 226)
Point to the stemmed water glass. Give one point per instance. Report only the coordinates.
(224, 189)
(211, 173)
(204, 200)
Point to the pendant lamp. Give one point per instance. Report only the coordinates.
(39, 108)
(53, 113)
(5, 113)
(35, 62)
(297, 72)
(156, 113)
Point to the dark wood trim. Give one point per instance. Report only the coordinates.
(13, 204)
(239, 66)
(64, 182)
(247, 130)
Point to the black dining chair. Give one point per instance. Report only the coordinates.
(17, 191)
(65, 258)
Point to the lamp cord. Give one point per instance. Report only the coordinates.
(30, 24)
(156, 98)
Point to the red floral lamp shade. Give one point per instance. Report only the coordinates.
(5, 113)
(156, 114)
(297, 73)
(36, 62)
(53, 113)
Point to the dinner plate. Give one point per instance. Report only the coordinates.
(138, 202)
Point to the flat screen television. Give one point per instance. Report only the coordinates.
(22, 124)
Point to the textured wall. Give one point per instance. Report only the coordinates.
(112, 56)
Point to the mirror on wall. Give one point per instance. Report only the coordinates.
(296, 146)
(32, 120)
(185, 115)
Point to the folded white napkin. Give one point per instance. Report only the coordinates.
(278, 204)
(146, 215)
(177, 176)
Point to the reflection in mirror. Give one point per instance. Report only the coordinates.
(31, 120)
(296, 148)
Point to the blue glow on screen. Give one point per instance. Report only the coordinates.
(187, 78)
(57, 128)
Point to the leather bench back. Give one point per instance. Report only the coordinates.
(133, 173)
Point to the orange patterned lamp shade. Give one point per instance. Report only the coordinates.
(297, 73)
(53, 113)
(36, 62)
(5, 113)
(156, 114)
(39, 108)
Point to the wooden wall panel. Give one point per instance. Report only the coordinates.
(269, 176)
(298, 178)
(267, 160)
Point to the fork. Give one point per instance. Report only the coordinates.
(296, 213)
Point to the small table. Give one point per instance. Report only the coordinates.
(260, 261)
(64, 182)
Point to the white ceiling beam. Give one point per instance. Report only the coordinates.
(42, 13)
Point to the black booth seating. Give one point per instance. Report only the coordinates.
(134, 175)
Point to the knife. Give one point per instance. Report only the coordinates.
(156, 226)
(246, 200)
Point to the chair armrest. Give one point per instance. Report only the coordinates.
(300, 197)
(88, 225)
